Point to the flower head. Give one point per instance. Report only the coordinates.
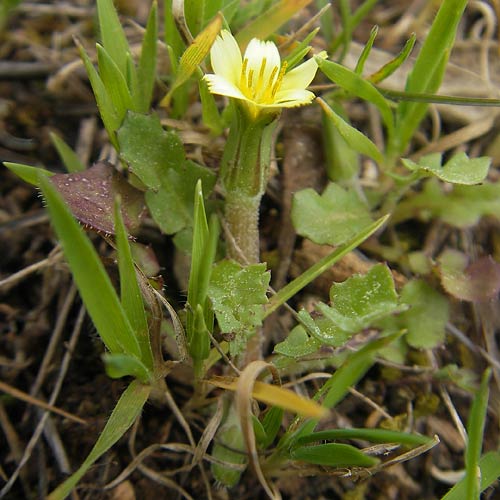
(258, 79)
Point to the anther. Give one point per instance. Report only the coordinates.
(277, 84)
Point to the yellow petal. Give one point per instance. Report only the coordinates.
(300, 77)
(219, 85)
(276, 396)
(225, 57)
(293, 98)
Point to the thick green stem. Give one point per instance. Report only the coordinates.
(244, 173)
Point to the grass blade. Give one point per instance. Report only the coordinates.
(475, 430)
(127, 409)
(112, 34)
(147, 62)
(67, 155)
(428, 70)
(130, 292)
(489, 464)
(28, 173)
(95, 287)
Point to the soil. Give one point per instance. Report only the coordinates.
(50, 352)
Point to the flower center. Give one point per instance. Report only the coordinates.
(257, 87)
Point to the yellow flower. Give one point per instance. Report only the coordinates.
(258, 79)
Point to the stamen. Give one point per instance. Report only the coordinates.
(243, 75)
(260, 81)
(277, 84)
(250, 79)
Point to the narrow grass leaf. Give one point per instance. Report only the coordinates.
(292, 288)
(276, 396)
(475, 431)
(130, 293)
(211, 117)
(333, 455)
(389, 68)
(428, 70)
(272, 424)
(126, 411)
(352, 136)
(359, 87)
(489, 464)
(28, 173)
(67, 155)
(105, 105)
(95, 287)
(146, 70)
(112, 34)
(269, 21)
(371, 435)
(331, 218)
(360, 65)
(194, 55)
(115, 82)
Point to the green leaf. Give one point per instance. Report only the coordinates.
(459, 170)
(460, 207)
(95, 287)
(115, 83)
(342, 161)
(67, 155)
(428, 70)
(332, 218)
(359, 87)
(238, 294)
(112, 34)
(148, 149)
(356, 304)
(475, 431)
(146, 71)
(123, 416)
(362, 299)
(489, 465)
(297, 344)
(123, 365)
(107, 110)
(321, 266)
(211, 117)
(27, 173)
(131, 296)
(366, 51)
(199, 313)
(272, 423)
(172, 206)
(199, 12)
(371, 435)
(333, 455)
(389, 68)
(352, 136)
(427, 316)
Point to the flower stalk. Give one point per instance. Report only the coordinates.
(243, 175)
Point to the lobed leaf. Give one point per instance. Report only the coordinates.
(238, 295)
(332, 218)
(460, 169)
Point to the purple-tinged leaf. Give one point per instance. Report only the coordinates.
(474, 282)
(90, 195)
